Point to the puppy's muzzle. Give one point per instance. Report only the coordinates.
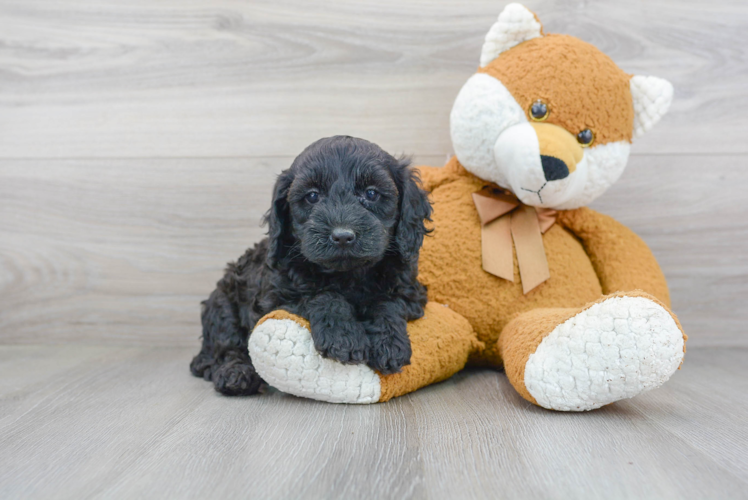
(342, 237)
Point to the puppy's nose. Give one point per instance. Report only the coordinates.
(342, 237)
(553, 168)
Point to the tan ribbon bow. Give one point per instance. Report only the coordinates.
(503, 219)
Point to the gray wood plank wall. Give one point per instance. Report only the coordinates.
(139, 141)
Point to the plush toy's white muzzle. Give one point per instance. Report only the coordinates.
(494, 140)
(517, 153)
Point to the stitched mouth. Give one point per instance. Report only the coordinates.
(538, 191)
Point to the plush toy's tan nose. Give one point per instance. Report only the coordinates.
(559, 150)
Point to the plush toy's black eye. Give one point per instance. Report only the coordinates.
(312, 197)
(371, 194)
(539, 111)
(585, 137)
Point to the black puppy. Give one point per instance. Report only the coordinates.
(345, 229)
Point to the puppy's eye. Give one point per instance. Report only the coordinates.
(585, 138)
(312, 197)
(539, 111)
(371, 194)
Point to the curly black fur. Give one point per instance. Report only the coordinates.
(357, 294)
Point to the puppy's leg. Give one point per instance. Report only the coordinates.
(389, 346)
(224, 359)
(336, 332)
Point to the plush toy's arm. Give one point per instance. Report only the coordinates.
(283, 353)
(622, 261)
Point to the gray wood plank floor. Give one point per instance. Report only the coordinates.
(138, 144)
(118, 422)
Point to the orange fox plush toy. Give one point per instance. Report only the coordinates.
(520, 274)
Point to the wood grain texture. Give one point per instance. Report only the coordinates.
(139, 141)
(225, 78)
(123, 251)
(117, 246)
(130, 423)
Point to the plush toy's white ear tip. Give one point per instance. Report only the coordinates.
(652, 97)
(515, 25)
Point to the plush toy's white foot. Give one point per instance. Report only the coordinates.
(614, 350)
(283, 353)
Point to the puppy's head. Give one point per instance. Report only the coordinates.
(344, 204)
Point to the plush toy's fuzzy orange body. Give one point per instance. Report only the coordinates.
(520, 274)
(589, 255)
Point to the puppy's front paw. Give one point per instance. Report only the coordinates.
(344, 341)
(237, 378)
(283, 352)
(388, 353)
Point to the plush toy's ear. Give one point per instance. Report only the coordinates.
(652, 98)
(515, 25)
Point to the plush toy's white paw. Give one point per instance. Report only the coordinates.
(283, 353)
(614, 350)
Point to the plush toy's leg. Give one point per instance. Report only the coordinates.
(283, 353)
(582, 359)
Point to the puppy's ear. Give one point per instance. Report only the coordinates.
(415, 209)
(278, 219)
